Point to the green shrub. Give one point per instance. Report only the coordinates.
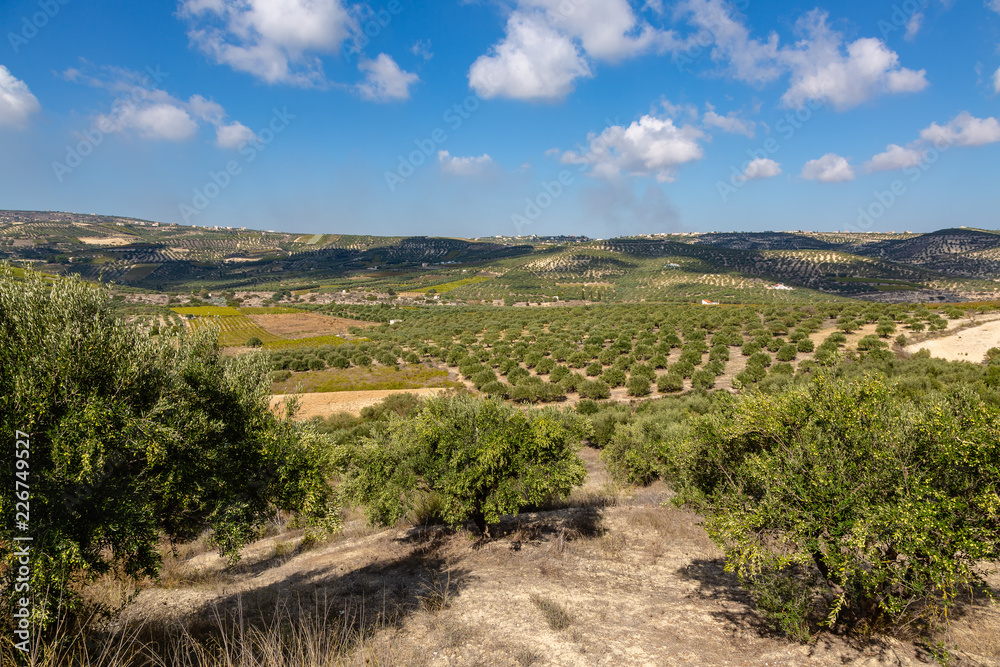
(786, 353)
(703, 379)
(615, 377)
(638, 385)
(254, 341)
(669, 383)
(843, 504)
(594, 389)
(484, 459)
(805, 345)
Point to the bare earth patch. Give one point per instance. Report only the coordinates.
(353, 402)
(107, 240)
(966, 345)
(305, 325)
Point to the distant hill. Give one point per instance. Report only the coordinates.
(732, 267)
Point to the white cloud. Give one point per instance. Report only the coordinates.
(913, 25)
(821, 65)
(422, 48)
(606, 29)
(162, 121)
(895, 157)
(152, 113)
(16, 101)
(384, 80)
(232, 135)
(963, 130)
(994, 5)
(549, 44)
(996, 78)
(761, 168)
(464, 166)
(731, 123)
(273, 40)
(533, 62)
(750, 60)
(831, 168)
(822, 71)
(649, 146)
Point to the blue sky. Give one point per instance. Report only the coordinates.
(480, 117)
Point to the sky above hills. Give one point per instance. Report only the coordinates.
(479, 117)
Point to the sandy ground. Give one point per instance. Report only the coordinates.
(639, 582)
(966, 345)
(305, 325)
(107, 240)
(330, 403)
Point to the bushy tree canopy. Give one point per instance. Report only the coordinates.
(132, 438)
(482, 458)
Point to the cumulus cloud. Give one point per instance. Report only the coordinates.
(821, 70)
(831, 168)
(149, 112)
(533, 62)
(750, 60)
(761, 168)
(650, 146)
(549, 44)
(963, 130)
(384, 80)
(821, 65)
(895, 157)
(464, 166)
(16, 101)
(276, 41)
(730, 123)
(231, 135)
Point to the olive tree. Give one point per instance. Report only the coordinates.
(847, 498)
(130, 439)
(482, 459)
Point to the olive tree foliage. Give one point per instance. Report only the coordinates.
(842, 503)
(481, 459)
(132, 439)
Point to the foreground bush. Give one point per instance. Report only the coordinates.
(482, 458)
(843, 504)
(132, 439)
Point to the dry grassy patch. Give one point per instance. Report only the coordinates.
(305, 325)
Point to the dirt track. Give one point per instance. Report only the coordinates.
(966, 345)
(330, 403)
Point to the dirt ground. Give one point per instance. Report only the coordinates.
(966, 345)
(305, 325)
(353, 402)
(616, 577)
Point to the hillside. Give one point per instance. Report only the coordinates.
(948, 265)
